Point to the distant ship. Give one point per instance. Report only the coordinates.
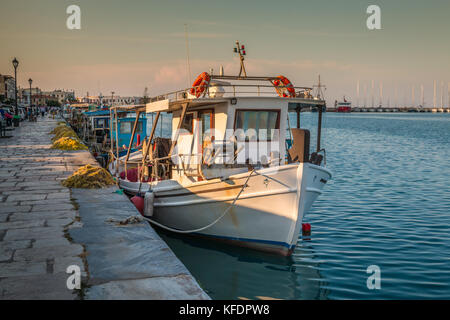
(343, 106)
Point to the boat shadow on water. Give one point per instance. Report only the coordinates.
(230, 272)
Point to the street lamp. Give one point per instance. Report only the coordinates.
(15, 63)
(30, 81)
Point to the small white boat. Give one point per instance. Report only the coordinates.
(251, 196)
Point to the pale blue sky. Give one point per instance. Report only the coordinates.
(127, 45)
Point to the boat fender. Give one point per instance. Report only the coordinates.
(306, 229)
(138, 203)
(149, 198)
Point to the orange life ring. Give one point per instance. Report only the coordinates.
(286, 85)
(200, 84)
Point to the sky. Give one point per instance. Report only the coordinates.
(125, 46)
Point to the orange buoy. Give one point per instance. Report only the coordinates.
(200, 84)
(284, 87)
(138, 203)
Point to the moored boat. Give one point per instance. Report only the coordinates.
(229, 174)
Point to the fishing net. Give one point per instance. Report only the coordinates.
(58, 128)
(68, 143)
(89, 177)
(64, 132)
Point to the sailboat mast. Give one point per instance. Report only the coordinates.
(381, 94)
(422, 99)
(357, 93)
(434, 96)
(373, 87)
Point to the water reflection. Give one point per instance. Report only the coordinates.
(227, 272)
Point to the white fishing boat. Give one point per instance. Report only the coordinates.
(230, 173)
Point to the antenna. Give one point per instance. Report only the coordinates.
(187, 56)
(240, 49)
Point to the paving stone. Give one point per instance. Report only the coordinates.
(34, 233)
(17, 269)
(37, 287)
(44, 253)
(46, 243)
(10, 208)
(43, 215)
(20, 244)
(5, 255)
(4, 217)
(58, 222)
(49, 202)
(21, 224)
(61, 264)
(43, 207)
(27, 197)
(59, 195)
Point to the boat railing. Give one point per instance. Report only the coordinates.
(232, 91)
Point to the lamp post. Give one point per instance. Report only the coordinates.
(30, 81)
(15, 63)
(112, 98)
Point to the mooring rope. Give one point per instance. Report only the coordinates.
(212, 223)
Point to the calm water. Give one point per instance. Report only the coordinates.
(388, 204)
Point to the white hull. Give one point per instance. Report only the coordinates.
(267, 216)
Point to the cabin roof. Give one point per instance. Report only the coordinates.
(168, 105)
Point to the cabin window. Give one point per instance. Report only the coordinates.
(262, 121)
(127, 127)
(188, 122)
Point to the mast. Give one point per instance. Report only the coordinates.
(396, 96)
(422, 99)
(373, 87)
(357, 93)
(434, 96)
(413, 102)
(240, 49)
(381, 94)
(442, 94)
(365, 95)
(319, 92)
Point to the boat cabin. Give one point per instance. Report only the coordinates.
(122, 137)
(229, 128)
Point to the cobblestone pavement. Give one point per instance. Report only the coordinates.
(35, 214)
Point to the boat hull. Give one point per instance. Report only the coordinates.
(267, 215)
